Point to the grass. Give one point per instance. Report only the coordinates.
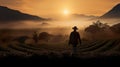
(90, 45)
(98, 45)
(62, 46)
(110, 45)
(61, 51)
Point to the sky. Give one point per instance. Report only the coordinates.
(47, 8)
(58, 9)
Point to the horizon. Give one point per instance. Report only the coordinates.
(49, 8)
(66, 13)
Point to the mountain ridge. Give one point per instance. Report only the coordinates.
(8, 14)
(113, 13)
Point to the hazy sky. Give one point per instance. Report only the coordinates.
(57, 7)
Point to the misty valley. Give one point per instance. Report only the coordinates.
(72, 33)
(98, 40)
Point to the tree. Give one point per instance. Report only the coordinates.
(44, 36)
(97, 27)
(97, 30)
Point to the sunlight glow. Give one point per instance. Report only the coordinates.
(66, 12)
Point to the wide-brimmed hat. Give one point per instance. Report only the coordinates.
(75, 27)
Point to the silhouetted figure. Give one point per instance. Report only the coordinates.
(74, 39)
(35, 37)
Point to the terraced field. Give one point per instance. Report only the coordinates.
(97, 48)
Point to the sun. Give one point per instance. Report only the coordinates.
(66, 12)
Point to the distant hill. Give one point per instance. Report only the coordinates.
(113, 13)
(83, 16)
(116, 28)
(7, 14)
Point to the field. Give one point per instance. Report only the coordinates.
(97, 51)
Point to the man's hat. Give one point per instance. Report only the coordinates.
(75, 27)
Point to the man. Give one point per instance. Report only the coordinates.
(74, 39)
